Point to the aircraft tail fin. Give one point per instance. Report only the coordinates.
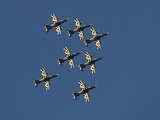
(74, 94)
(86, 42)
(36, 82)
(80, 66)
(69, 32)
(59, 60)
(46, 27)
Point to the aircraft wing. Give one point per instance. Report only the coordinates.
(98, 44)
(81, 34)
(88, 57)
(58, 29)
(71, 63)
(67, 51)
(86, 97)
(93, 68)
(77, 23)
(54, 18)
(44, 73)
(47, 85)
(93, 32)
(82, 85)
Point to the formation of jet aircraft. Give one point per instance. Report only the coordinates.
(57, 24)
(84, 91)
(69, 57)
(95, 37)
(45, 78)
(90, 62)
(79, 28)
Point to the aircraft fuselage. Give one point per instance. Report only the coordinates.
(86, 90)
(92, 61)
(98, 37)
(48, 78)
(78, 29)
(70, 57)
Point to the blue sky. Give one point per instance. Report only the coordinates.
(127, 77)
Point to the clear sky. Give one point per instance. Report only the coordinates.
(127, 78)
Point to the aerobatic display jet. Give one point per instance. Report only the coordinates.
(84, 91)
(95, 37)
(79, 28)
(90, 62)
(69, 57)
(57, 24)
(45, 78)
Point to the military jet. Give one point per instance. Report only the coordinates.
(69, 57)
(84, 91)
(79, 28)
(90, 62)
(95, 37)
(45, 78)
(57, 24)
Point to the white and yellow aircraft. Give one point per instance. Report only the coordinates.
(84, 91)
(95, 37)
(45, 78)
(69, 57)
(79, 28)
(57, 24)
(90, 62)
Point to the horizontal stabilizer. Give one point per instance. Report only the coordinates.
(60, 61)
(36, 82)
(47, 27)
(81, 66)
(75, 95)
(86, 42)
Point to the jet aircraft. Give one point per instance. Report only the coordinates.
(45, 78)
(57, 24)
(79, 28)
(69, 57)
(90, 62)
(95, 37)
(84, 91)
